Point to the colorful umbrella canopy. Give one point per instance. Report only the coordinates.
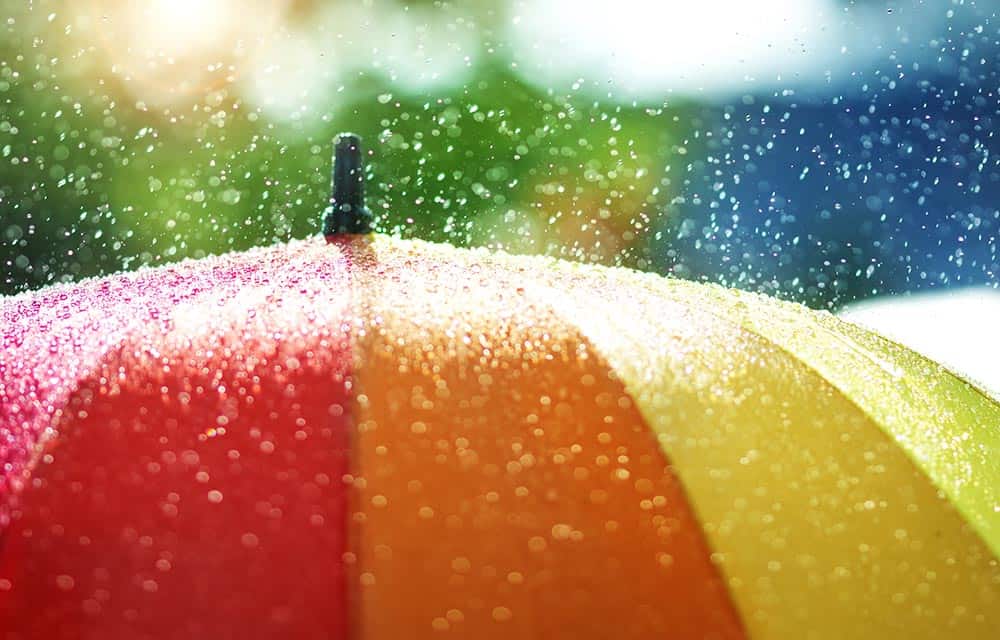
(374, 438)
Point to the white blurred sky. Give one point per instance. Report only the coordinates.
(958, 328)
(644, 48)
(627, 49)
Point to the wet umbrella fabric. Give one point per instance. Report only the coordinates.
(374, 438)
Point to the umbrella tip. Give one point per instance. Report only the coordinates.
(346, 212)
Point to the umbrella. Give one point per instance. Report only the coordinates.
(368, 437)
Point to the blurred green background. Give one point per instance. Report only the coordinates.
(106, 168)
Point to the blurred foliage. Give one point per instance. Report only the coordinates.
(94, 181)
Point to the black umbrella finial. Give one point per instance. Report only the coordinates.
(347, 212)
